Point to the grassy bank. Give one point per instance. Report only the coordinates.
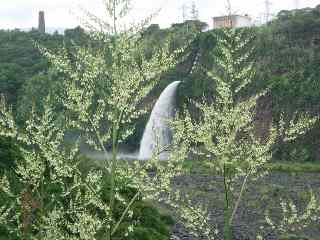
(200, 166)
(286, 166)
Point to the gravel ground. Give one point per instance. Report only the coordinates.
(258, 197)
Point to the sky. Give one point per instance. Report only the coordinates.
(64, 13)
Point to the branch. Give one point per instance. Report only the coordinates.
(239, 198)
(100, 141)
(125, 212)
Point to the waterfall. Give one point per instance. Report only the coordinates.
(157, 132)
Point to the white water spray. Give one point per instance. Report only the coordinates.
(157, 132)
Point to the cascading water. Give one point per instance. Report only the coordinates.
(157, 132)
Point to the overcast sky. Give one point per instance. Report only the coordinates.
(58, 13)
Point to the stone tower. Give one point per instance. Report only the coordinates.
(41, 26)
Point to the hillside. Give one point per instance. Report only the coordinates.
(287, 58)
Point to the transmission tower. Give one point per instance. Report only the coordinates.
(194, 12)
(296, 4)
(184, 12)
(267, 10)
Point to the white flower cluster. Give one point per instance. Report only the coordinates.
(224, 134)
(292, 219)
(104, 87)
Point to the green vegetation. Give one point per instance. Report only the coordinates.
(295, 167)
(224, 136)
(151, 223)
(98, 85)
(286, 55)
(94, 89)
(201, 167)
(10, 154)
(295, 237)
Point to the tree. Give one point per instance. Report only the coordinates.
(35, 91)
(103, 88)
(10, 81)
(224, 137)
(9, 154)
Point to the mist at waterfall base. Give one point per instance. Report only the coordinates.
(157, 133)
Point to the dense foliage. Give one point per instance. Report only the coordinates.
(224, 137)
(10, 154)
(95, 89)
(288, 63)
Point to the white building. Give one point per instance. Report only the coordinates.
(235, 21)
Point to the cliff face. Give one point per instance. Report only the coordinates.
(263, 118)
